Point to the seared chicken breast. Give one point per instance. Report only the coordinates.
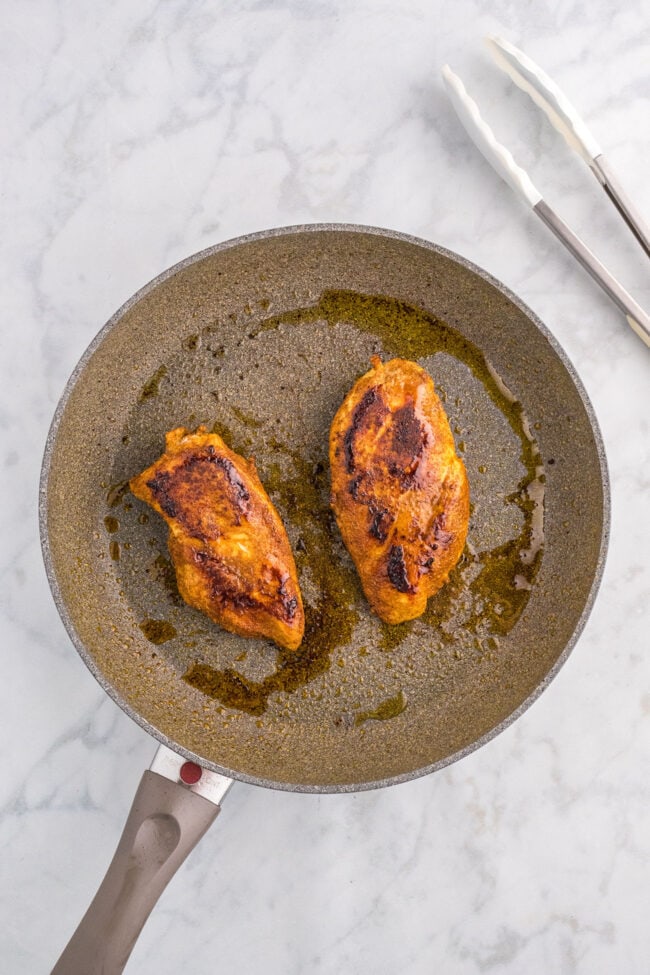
(399, 491)
(229, 547)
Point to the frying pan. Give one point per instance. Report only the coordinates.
(260, 338)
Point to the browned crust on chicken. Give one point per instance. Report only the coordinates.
(399, 491)
(229, 547)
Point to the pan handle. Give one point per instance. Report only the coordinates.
(166, 821)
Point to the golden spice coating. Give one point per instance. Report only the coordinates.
(399, 492)
(230, 550)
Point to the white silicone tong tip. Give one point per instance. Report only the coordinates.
(478, 130)
(546, 95)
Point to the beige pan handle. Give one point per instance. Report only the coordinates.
(166, 821)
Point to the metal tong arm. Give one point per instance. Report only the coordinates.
(502, 161)
(603, 172)
(564, 118)
(637, 318)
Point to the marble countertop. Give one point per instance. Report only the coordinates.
(136, 134)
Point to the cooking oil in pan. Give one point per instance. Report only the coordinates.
(285, 424)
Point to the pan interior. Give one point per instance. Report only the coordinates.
(261, 341)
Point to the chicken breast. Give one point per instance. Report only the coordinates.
(229, 547)
(399, 491)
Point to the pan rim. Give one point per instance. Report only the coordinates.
(231, 243)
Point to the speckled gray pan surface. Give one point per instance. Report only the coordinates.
(261, 338)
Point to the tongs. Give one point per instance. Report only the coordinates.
(563, 116)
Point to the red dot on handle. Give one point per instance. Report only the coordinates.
(190, 773)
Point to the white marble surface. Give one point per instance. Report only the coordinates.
(135, 134)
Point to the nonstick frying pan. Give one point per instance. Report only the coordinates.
(260, 339)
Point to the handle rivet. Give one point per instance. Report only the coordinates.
(190, 773)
